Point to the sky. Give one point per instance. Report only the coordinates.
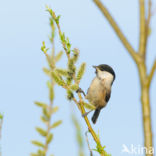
(23, 27)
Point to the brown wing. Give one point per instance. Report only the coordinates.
(108, 95)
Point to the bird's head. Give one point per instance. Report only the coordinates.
(106, 72)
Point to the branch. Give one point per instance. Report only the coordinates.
(142, 28)
(150, 76)
(71, 74)
(91, 153)
(116, 29)
(147, 30)
(48, 109)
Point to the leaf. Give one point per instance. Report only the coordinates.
(57, 79)
(51, 91)
(56, 124)
(37, 143)
(70, 95)
(41, 152)
(81, 71)
(46, 71)
(62, 72)
(74, 87)
(89, 106)
(49, 138)
(44, 119)
(55, 109)
(40, 104)
(62, 37)
(76, 54)
(58, 56)
(46, 113)
(1, 116)
(68, 45)
(57, 19)
(41, 131)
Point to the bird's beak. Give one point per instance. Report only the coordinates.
(95, 67)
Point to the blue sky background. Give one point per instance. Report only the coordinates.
(23, 27)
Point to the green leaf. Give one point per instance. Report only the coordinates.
(37, 143)
(75, 54)
(57, 79)
(89, 106)
(44, 119)
(74, 87)
(1, 116)
(55, 109)
(41, 131)
(56, 124)
(41, 104)
(62, 37)
(70, 95)
(58, 56)
(43, 47)
(57, 19)
(81, 71)
(51, 91)
(49, 138)
(62, 72)
(46, 71)
(46, 113)
(68, 45)
(71, 66)
(49, 84)
(41, 152)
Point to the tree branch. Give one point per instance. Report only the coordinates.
(147, 30)
(150, 76)
(142, 29)
(116, 29)
(80, 101)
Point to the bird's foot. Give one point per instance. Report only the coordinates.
(85, 114)
(81, 91)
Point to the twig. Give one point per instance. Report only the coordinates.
(147, 30)
(116, 29)
(80, 102)
(150, 76)
(91, 153)
(142, 29)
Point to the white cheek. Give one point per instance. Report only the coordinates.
(107, 76)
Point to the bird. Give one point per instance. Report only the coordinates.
(99, 92)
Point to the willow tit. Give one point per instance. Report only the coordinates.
(99, 91)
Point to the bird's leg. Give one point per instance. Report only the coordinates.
(85, 114)
(81, 91)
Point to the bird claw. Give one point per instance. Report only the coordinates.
(85, 114)
(81, 91)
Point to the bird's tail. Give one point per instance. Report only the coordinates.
(95, 115)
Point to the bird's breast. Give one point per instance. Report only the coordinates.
(97, 93)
